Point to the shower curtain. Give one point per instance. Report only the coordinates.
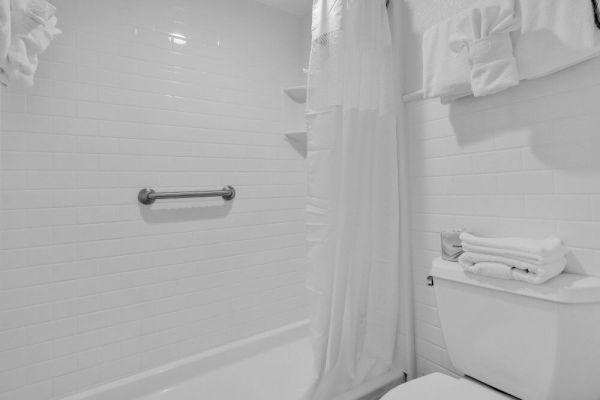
(353, 202)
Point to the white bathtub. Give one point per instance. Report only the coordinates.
(272, 366)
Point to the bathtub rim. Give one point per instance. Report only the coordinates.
(167, 375)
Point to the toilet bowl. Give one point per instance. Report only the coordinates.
(438, 386)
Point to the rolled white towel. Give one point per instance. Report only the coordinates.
(532, 251)
(509, 268)
(485, 32)
(446, 73)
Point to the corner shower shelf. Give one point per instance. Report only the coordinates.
(299, 141)
(296, 93)
(294, 118)
(297, 136)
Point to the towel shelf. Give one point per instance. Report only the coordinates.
(149, 196)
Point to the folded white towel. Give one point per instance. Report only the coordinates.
(509, 268)
(485, 32)
(554, 35)
(446, 74)
(32, 28)
(4, 28)
(532, 251)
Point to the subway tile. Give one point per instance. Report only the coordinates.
(555, 207)
(581, 235)
(573, 181)
(86, 272)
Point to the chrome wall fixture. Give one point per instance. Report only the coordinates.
(149, 196)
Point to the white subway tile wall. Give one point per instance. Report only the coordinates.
(522, 163)
(174, 95)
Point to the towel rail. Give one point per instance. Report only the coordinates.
(414, 96)
(149, 196)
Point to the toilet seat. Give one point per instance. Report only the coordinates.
(438, 386)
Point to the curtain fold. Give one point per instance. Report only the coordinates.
(353, 201)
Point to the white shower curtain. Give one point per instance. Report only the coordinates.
(353, 203)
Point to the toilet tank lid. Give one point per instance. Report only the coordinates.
(565, 288)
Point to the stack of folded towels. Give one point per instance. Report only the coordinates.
(528, 260)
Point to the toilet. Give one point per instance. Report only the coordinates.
(514, 340)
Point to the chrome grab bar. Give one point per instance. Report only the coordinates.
(149, 196)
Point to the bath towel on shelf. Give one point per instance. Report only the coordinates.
(554, 35)
(547, 36)
(485, 32)
(32, 28)
(528, 260)
(446, 74)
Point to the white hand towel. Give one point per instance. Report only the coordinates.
(446, 74)
(508, 268)
(4, 28)
(33, 27)
(529, 250)
(485, 32)
(554, 35)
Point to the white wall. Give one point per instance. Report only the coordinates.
(521, 163)
(93, 286)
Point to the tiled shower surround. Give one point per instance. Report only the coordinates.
(173, 95)
(521, 163)
(186, 94)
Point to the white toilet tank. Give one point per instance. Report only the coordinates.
(534, 342)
